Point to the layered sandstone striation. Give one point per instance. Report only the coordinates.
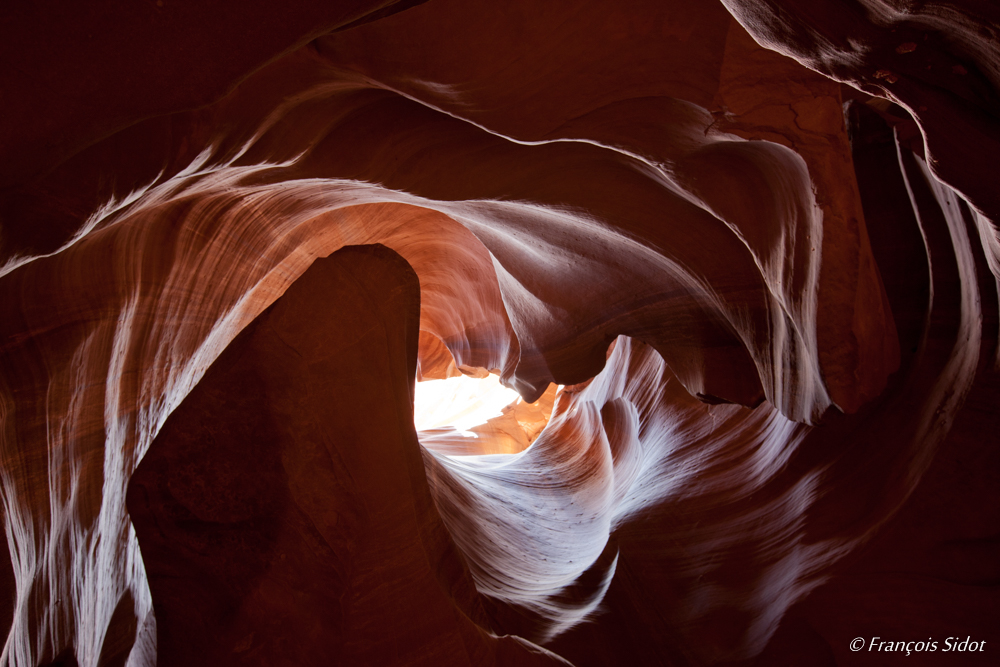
(768, 284)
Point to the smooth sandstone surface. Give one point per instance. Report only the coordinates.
(756, 241)
(315, 531)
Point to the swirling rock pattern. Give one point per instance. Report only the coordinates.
(283, 511)
(225, 261)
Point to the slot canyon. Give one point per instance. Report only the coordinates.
(738, 259)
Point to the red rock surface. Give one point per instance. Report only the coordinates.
(756, 240)
(314, 531)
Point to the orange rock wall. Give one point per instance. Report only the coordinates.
(769, 293)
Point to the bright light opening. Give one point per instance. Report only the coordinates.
(460, 402)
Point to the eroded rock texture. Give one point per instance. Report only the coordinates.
(233, 237)
(313, 531)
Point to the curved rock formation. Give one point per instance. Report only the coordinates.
(314, 532)
(769, 295)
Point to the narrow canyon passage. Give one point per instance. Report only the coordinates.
(726, 272)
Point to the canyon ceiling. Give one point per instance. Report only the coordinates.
(756, 241)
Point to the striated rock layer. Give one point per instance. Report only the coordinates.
(769, 293)
(314, 530)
